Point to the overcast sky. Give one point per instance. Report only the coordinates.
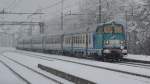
(34, 5)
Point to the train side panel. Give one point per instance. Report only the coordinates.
(37, 43)
(53, 42)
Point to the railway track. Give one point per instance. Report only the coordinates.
(100, 67)
(137, 61)
(15, 73)
(39, 73)
(134, 64)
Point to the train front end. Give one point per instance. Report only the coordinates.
(114, 45)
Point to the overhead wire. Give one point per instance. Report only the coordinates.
(45, 8)
(12, 4)
(53, 5)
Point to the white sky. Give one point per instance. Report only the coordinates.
(28, 6)
(34, 5)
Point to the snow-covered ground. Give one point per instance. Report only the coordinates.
(8, 77)
(138, 57)
(32, 77)
(136, 70)
(99, 76)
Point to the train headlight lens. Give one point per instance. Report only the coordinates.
(121, 42)
(124, 51)
(106, 51)
(122, 47)
(107, 42)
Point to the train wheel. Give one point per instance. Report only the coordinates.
(119, 60)
(104, 59)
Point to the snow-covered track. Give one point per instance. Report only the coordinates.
(15, 73)
(135, 64)
(137, 61)
(45, 76)
(72, 78)
(81, 63)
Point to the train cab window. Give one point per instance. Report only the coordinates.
(108, 29)
(118, 29)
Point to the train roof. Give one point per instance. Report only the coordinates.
(110, 22)
(91, 28)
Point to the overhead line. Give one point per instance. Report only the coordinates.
(11, 4)
(53, 5)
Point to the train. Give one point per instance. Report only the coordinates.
(106, 41)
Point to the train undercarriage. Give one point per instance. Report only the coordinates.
(114, 56)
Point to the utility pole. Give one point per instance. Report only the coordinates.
(62, 24)
(132, 15)
(62, 14)
(17, 13)
(126, 17)
(100, 11)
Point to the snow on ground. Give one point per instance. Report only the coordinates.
(6, 48)
(8, 77)
(131, 69)
(99, 76)
(31, 76)
(138, 57)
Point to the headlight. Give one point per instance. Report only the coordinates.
(122, 47)
(106, 51)
(107, 42)
(124, 51)
(121, 42)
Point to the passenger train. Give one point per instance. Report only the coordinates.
(107, 42)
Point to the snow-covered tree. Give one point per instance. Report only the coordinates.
(136, 11)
